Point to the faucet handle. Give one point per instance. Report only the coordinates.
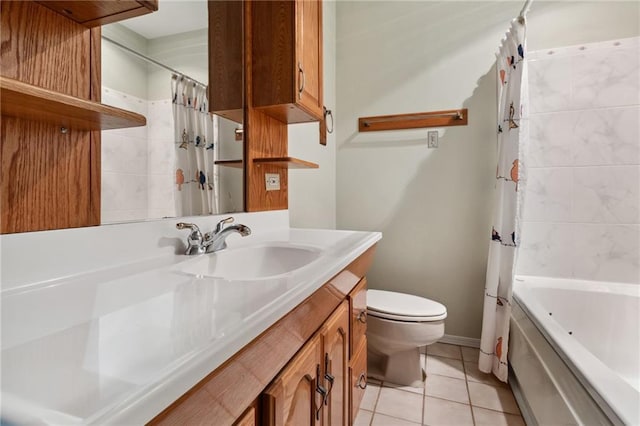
(195, 234)
(223, 222)
(194, 240)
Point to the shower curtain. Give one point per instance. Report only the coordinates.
(196, 189)
(512, 139)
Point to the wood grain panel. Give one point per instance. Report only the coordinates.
(42, 48)
(416, 120)
(358, 317)
(22, 100)
(226, 59)
(273, 46)
(46, 175)
(95, 93)
(95, 13)
(308, 54)
(336, 364)
(225, 393)
(358, 379)
(264, 137)
(286, 162)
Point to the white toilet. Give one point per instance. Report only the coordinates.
(398, 324)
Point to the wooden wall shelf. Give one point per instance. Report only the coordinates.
(29, 102)
(416, 120)
(229, 163)
(286, 162)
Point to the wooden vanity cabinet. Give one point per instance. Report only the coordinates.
(299, 372)
(296, 396)
(287, 59)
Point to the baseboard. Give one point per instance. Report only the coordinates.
(460, 340)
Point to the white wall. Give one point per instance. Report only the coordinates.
(433, 206)
(312, 192)
(581, 214)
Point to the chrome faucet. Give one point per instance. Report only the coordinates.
(211, 241)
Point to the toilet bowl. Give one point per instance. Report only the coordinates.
(398, 325)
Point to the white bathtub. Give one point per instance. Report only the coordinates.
(594, 327)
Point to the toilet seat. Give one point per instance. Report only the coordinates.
(403, 307)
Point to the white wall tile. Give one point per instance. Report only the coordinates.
(607, 252)
(607, 136)
(548, 195)
(550, 84)
(606, 77)
(544, 249)
(122, 191)
(582, 205)
(549, 139)
(607, 194)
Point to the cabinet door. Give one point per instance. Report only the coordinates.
(294, 397)
(358, 378)
(358, 302)
(336, 366)
(309, 55)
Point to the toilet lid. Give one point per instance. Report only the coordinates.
(403, 307)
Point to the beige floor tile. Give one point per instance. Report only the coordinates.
(447, 388)
(419, 390)
(495, 418)
(438, 412)
(400, 404)
(363, 418)
(492, 397)
(470, 354)
(445, 367)
(382, 420)
(475, 375)
(370, 397)
(444, 350)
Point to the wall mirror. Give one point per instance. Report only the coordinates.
(185, 161)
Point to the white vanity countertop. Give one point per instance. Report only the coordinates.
(119, 345)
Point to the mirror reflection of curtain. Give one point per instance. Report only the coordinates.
(196, 189)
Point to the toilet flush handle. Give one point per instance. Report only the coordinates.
(362, 317)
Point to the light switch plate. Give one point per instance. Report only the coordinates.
(272, 181)
(432, 139)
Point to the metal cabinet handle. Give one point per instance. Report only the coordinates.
(362, 381)
(302, 80)
(328, 113)
(362, 317)
(328, 377)
(321, 390)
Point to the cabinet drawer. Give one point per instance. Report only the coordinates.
(358, 378)
(358, 318)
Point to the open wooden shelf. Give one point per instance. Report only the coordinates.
(229, 163)
(286, 162)
(29, 102)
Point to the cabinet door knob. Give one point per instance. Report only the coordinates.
(301, 72)
(362, 317)
(362, 381)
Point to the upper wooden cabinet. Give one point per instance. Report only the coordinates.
(287, 59)
(96, 13)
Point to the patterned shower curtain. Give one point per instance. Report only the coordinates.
(196, 189)
(512, 139)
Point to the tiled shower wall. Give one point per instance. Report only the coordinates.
(581, 213)
(137, 163)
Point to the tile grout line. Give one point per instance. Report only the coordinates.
(466, 384)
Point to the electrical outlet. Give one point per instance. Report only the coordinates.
(432, 139)
(272, 181)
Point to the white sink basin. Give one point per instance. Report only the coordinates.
(250, 263)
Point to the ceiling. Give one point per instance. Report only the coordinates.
(172, 17)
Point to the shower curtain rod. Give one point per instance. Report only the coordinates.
(153, 61)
